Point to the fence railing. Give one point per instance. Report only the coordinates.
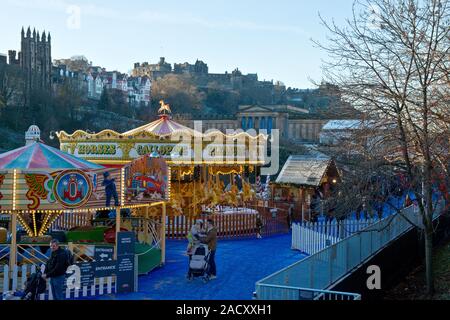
(68, 220)
(15, 280)
(326, 267)
(311, 237)
(295, 293)
(228, 225)
(31, 257)
(232, 225)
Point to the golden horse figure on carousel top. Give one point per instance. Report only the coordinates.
(164, 107)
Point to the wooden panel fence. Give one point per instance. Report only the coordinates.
(232, 225)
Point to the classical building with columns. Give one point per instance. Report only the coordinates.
(295, 124)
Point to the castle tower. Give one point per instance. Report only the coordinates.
(35, 59)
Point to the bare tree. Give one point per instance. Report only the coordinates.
(391, 61)
(11, 86)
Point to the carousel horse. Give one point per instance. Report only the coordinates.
(247, 192)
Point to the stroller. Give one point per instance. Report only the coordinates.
(199, 262)
(34, 286)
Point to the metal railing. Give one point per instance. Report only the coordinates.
(296, 293)
(324, 268)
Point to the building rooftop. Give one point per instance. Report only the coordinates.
(304, 169)
(343, 125)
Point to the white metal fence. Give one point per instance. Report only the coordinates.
(15, 280)
(311, 237)
(324, 268)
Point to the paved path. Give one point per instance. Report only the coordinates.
(240, 263)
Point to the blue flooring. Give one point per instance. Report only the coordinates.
(240, 264)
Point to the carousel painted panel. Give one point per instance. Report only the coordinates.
(146, 180)
(6, 190)
(63, 189)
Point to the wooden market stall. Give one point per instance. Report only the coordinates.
(303, 178)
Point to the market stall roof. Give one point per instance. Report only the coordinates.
(304, 170)
(343, 125)
(40, 156)
(164, 126)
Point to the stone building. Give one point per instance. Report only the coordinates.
(294, 124)
(198, 68)
(153, 71)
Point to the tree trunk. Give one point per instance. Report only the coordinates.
(429, 259)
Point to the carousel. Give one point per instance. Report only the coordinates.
(210, 173)
(46, 193)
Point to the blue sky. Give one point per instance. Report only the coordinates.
(271, 38)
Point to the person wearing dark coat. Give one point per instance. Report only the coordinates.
(55, 269)
(211, 241)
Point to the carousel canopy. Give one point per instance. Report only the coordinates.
(40, 156)
(164, 126)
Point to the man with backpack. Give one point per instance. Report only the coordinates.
(56, 267)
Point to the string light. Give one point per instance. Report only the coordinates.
(169, 183)
(14, 188)
(34, 223)
(122, 186)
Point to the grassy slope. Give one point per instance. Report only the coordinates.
(413, 287)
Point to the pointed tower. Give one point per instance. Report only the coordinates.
(28, 32)
(22, 33)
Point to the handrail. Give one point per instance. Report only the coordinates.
(356, 296)
(339, 259)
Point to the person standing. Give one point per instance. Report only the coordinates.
(259, 226)
(290, 216)
(55, 269)
(110, 189)
(211, 241)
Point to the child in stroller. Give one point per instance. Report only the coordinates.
(199, 262)
(198, 253)
(194, 236)
(34, 286)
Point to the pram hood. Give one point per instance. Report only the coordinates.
(200, 250)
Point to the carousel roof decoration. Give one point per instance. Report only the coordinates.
(162, 127)
(40, 156)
